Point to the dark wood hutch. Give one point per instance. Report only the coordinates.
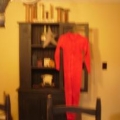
(32, 95)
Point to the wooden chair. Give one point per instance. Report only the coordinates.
(5, 108)
(57, 109)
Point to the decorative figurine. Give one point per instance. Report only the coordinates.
(43, 36)
(50, 38)
(46, 62)
(39, 63)
(51, 63)
(47, 80)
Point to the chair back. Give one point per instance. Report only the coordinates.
(58, 109)
(6, 108)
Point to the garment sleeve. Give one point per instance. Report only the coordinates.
(87, 55)
(57, 53)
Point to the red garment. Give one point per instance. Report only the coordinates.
(75, 52)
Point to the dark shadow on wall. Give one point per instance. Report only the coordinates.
(95, 77)
(88, 99)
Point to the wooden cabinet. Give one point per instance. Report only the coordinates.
(32, 93)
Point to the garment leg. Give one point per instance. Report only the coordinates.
(71, 95)
(68, 96)
(76, 83)
(72, 91)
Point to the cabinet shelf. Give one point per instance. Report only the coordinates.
(41, 47)
(43, 68)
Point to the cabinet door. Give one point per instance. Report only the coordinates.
(32, 106)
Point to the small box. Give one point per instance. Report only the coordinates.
(46, 62)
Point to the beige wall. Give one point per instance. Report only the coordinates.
(104, 22)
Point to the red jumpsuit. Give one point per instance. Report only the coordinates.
(75, 52)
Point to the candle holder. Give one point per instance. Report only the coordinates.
(66, 15)
(59, 14)
(62, 14)
(51, 13)
(31, 12)
(42, 12)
